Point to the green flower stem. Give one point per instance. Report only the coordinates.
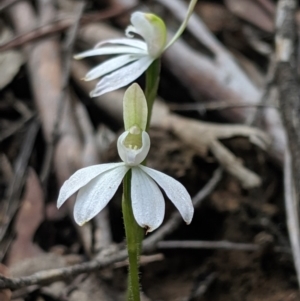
(134, 233)
(152, 81)
(134, 237)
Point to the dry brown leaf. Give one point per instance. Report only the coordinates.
(216, 17)
(28, 220)
(251, 12)
(92, 289)
(10, 61)
(5, 295)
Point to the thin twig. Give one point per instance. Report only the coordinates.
(144, 260)
(216, 105)
(291, 208)
(49, 276)
(62, 24)
(14, 191)
(15, 127)
(201, 287)
(216, 245)
(149, 244)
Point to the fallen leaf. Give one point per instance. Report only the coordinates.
(92, 289)
(251, 12)
(28, 219)
(216, 17)
(5, 295)
(10, 60)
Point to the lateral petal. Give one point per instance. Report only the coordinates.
(110, 50)
(81, 178)
(175, 191)
(110, 65)
(122, 77)
(123, 41)
(148, 203)
(93, 197)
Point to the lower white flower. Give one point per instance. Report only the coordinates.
(97, 184)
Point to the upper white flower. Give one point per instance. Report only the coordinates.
(97, 184)
(135, 55)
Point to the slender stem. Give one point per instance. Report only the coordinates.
(134, 233)
(152, 81)
(183, 24)
(134, 237)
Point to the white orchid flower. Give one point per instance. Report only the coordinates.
(97, 184)
(134, 55)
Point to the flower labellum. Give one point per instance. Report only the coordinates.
(97, 184)
(134, 55)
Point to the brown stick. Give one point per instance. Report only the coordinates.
(216, 245)
(287, 80)
(59, 25)
(11, 204)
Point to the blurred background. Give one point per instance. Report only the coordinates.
(216, 129)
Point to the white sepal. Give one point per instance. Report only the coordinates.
(94, 196)
(123, 41)
(148, 203)
(175, 191)
(81, 178)
(110, 65)
(122, 77)
(133, 157)
(110, 50)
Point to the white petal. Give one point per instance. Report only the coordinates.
(110, 50)
(148, 203)
(93, 197)
(122, 77)
(81, 178)
(175, 192)
(110, 65)
(129, 42)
